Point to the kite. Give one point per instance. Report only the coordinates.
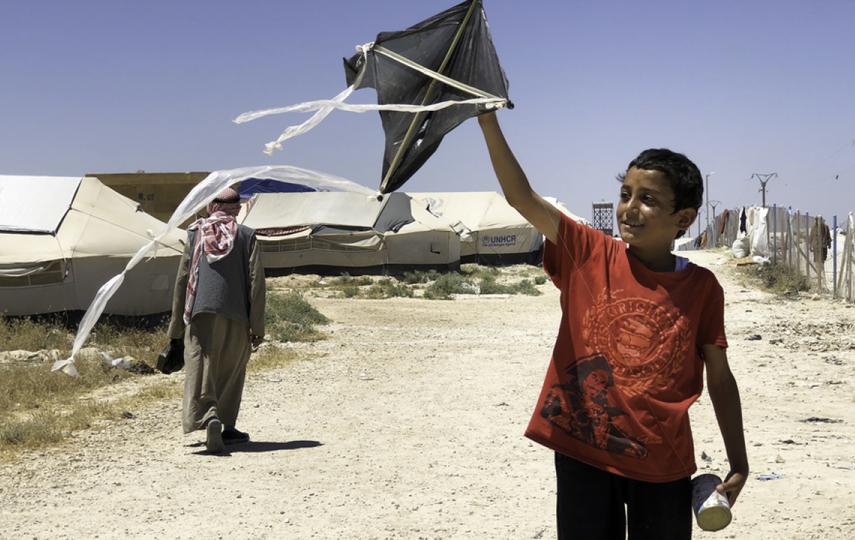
(429, 78)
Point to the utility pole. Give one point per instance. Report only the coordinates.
(764, 179)
(698, 219)
(707, 193)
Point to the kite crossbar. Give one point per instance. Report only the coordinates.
(463, 87)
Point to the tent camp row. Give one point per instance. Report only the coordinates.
(61, 238)
(331, 232)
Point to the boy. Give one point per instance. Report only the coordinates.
(638, 327)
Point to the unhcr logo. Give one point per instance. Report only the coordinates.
(499, 240)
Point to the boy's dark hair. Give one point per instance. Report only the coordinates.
(683, 175)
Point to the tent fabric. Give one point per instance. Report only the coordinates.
(60, 271)
(455, 43)
(350, 233)
(279, 210)
(35, 204)
(491, 230)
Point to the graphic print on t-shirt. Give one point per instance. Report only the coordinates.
(644, 342)
(581, 408)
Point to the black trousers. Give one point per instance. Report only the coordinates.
(594, 504)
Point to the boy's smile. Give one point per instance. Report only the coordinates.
(646, 217)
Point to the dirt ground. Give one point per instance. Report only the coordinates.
(407, 423)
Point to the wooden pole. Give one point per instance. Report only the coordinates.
(834, 258)
(797, 241)
(774, 234)
(820, 262)
(807, 246)
(789, 240)
(411, 130)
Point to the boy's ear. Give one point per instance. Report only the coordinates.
(686, 217)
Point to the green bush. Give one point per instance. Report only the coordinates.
(349, 291)
(539, 280)
(386, 288)
(525, 286)
(289, 317)
(490, 286)
(448, 284)
(478, 271)
(348, 280)
(418, 276)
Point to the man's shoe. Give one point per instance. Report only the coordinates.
(214, 440)
(233, 436)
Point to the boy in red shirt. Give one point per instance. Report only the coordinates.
(638, 328)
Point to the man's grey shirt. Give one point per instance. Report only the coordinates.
(232, 286)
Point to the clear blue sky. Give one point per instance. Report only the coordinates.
(741, 87)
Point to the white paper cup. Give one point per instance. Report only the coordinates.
(712, 509)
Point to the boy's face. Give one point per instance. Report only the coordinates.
(646, 217)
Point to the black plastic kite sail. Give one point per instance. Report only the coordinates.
(454, 44)
(429, 78)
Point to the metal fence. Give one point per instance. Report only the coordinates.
(824, 253)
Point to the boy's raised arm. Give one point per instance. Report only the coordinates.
(724, 394)
(537, 211)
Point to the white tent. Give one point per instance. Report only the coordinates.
(491, 230)
(346, 231)
(61, 238)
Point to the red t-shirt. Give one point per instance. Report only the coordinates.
(626, 364)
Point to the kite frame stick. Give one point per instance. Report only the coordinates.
(411, 130)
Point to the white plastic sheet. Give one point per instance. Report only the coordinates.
(196, 200)
(324, 107)
(741, 247)
(757, 230)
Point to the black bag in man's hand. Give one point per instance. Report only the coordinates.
(171, 358)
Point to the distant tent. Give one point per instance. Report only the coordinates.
(334, 232)
(61, 238)
(491, 231)
(251, 186)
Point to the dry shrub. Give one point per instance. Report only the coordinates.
(289, 317)
(270, 358)
(29, 335)
(418, 276)
(448, 284)
(387, 288)
(777, 278)
(524, 286)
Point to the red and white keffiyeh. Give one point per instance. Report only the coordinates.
(215, 236)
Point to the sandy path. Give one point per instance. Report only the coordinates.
(407, 423)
